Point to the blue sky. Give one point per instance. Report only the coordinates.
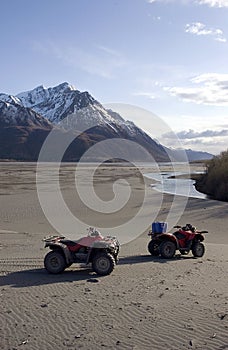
(169, 57)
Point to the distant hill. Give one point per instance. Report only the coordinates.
(191, 155)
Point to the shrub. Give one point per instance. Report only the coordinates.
(215, 180)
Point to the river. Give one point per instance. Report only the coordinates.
(180, 186)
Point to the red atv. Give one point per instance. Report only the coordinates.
(185, 239)
(101, 251)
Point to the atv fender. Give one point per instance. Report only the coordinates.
(63, 248)
(96, 247)
(167, 237)
(94, 250)
(199, 237)
(102, 245)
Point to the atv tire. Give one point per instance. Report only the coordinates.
(153, 247)
(167, 249)
(54, 262)
(103, 263)
(198, 249)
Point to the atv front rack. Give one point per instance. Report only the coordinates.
(52, 238)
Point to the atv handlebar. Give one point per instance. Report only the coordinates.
(189, 227)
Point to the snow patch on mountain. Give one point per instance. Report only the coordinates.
(13, 113)
(56, 103)
(10, 99)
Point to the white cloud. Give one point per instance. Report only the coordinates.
(211, 78)
(222, 40)
(212, 141)
(211, 89)
(109, 51)
(214, 3)
(154, 18)
(198, 28)
(145, 94)
(210, 3)
(169, 1)
(191, 134)
(102, 61)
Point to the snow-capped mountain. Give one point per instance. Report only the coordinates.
(53, 103)
(59, 102)
(12, 112)
(65, 106)
(56, 103)
(27, 118)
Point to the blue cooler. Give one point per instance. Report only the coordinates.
(159, 227)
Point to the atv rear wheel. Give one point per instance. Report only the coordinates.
(153, 247)
(198, 249)
(54, 262)
(103, 263)
(167, 249)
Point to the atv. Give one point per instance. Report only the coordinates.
(101, 251)
(185, 239)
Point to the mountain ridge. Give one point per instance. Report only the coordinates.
(28, 118)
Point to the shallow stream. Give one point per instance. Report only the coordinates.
(170, 182)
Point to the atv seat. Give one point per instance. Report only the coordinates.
(179, 235)
(69, 242)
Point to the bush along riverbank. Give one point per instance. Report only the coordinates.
(214, 182)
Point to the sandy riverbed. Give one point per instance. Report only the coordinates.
(146, 303)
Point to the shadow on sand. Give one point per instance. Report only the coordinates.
(39, 276)
(140, 259)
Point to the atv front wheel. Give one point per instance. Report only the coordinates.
(103, 263)
(153, 247)
(54, 262)
(198, 249)
(167, 249)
